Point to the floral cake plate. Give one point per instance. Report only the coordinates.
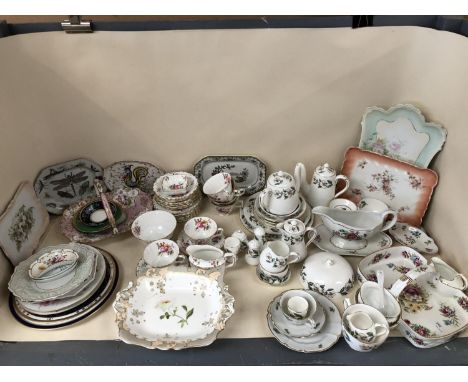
(134, 202)
(321, 341)
(173, 308)
(375, 243)
(248, 172)
(432, 313)
(393, 262)
(64, 184)
(22, 224)
(402, 133)
(132, 174)
(403, 187)
(414, 237)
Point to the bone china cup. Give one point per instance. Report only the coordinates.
(154, 225)
(275, 257)
(219, 188)
(200, 228)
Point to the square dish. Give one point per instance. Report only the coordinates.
(405, 188)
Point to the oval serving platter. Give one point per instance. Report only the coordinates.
(248, 172)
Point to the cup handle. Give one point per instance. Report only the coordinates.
(311, 233)
(381, 329)
(345, 188)
(346, 303)
(293, 257)
(390, 223)
(182, 260)
(239, 192)
(230, 259)
(312, 322)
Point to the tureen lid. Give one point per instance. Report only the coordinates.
(325, 170)
(281, 179)
(327, 273)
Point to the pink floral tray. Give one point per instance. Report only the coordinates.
(405, 188)
(134, 202)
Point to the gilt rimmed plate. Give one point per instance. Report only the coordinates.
(76, 314)
(376, 243)
(401, 133)
(321, 341)
(173, 308)
(414, 237)
(403, 187)
(22, 224)
(63, 184)
(248, 172)
(27, 289)
(132, 174)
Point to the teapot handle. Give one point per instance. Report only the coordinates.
(346, 303)
(230, 259)
(311, 233)
(390, 223)
(265, 197)
(342, 177)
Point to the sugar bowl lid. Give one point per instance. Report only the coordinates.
(327, 273)
(325, 170)
(293, 226)
(281, 179)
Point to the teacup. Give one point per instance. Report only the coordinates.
(372, 205)
(174, 184)
(352, 337)
(219, 189)
(275, 256)
(209, 257)
(161, 253)
(201, 229)
(302, 309)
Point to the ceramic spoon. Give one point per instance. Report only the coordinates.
(381, 294)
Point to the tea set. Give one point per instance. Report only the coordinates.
(398, 287)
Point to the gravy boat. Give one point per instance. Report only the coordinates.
(351, 229)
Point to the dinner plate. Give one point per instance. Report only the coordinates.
(321, 341)
(76, 314)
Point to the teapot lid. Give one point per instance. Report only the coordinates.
(325, 170)
(327, 273)
(294, 226)
(281, 179)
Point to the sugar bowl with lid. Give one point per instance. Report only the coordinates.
(327, 273)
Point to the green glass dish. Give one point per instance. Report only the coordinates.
(82, 219)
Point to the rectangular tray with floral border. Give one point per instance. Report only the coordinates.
(405, 188)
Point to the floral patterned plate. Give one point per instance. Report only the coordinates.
(132, 174)
(403, 187)
(323, 340)
(173, 308)
(248, 172)
(64, 184)
(134, 202)
(413, 237)
(394, 262)
(432, 313)
(402, 133)
(375, 243)
(23, 224)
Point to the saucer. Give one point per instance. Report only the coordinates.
(293, 328)
(275, 279)
(376, 243)
(321, 341)
(413, 237)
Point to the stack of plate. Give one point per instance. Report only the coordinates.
(301, 335)
(61, 285)
(253, 215)
(182, 206)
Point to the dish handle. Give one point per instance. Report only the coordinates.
(399, 285)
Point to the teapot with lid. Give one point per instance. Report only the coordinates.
(321, 190)
(281, 195)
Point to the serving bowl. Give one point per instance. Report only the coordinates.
(154, 225)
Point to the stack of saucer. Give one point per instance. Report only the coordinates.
(61, 285)
(304, 321)
(182, 203)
